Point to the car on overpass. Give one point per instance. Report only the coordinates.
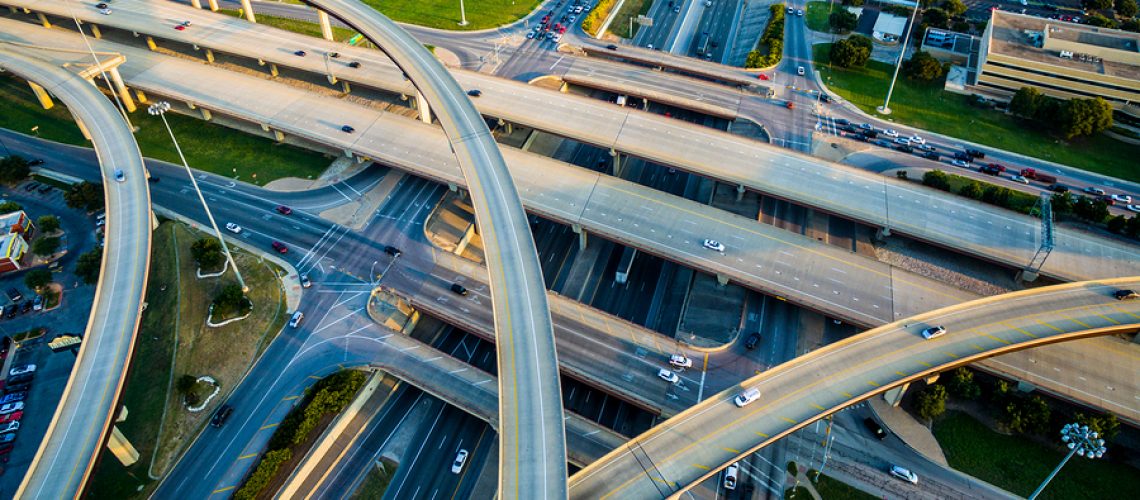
(933, 332)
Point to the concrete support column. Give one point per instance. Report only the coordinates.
(140, 96)
(326, 27)
(213, 5)
(153, 220)
(42, 95)
(150, 43)
(13, 9)
(581, 236)
(191, 105)
(83, 129)
(469, 233)
(121, 448)
(1025, 387)
(453, 187)
(882, 233)
(206, 115)
(209, 55)
(43, 19)
(1026, 275)
(564, 88)
(344, 87)
(740, 192)
(424, 109)
(197, 4)
(278, 136)
(273, 70)
(721, 279)
(617, 164)
(95, 32)
(331, 78)
(931, 379)
(246, 7)
(894, 396)
(347, 153)
(645, 105)
(121, 88)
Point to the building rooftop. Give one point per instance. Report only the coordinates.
(1039, 39)
(10, 220)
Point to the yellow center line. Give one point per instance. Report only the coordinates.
(952, 355)
(699, 466)
(222, 490)
(1075, 320)
(976, 348)
(731, 450)
(1019, 329)
(251, 455)
(761, 434)
(268, 426)
(818, 407)
(1137, 316)
(788, 420)
(872, 383)
(901, 374)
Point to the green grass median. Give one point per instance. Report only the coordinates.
(929, 107)
(1018, 464)
(444, 14)
(208, 146)
(818, 14)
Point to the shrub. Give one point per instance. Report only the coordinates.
(45, 246)
(10, 206)
(263, 474)
(14, 169)
(931, 402)
(770, 48)
(936, 179)
(88, 265)
(593, 21)
(972, 190)
(207, 252)
(48, 223)
(37, 278)
(961, 384)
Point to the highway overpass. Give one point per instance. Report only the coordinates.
(76, 434)
(696, 444)
(928, 215)
(836, 282)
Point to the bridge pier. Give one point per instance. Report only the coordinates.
(41, 94)
(1027, 275)
(95, 32)
(617, 164)
(273, 70)
(122, 448)
(140, 96)
(468, 233)
(740, 192)
(197, 4)
(43, 19)
(206, 115)
(213, 5)
(326, 27)
(83, 129)
(564, 88)
(246, 8)
(894, 396)
(453, 187)
(577, 228)
(423, 107)
(121, 88)
(882, 233)
(150, 44)
(722, 279)
(209, 56)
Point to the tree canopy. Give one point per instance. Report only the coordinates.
(923, 66)
(851, 52)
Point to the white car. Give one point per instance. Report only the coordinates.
(917, 140)
(233, 228)
(791, 10)
(668, 375)
(902, 140)
(558, 37)
(713, 245)
(730, 475)
(933, 332)
(891, 132)
(959, 163)
(745, 398)
(530, 35)
(1095, 190)
(11, 407)
(295, 321)
(22, 369)
(1133, 208)
(800, 12)
(105, 11)
(904, 474)
(1122, 198)
(460, 460)
(680, 361)
(1020, 179)
(800, 70)
(9, 427)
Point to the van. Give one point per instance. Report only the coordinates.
(296, 320)
(747, 397)
(730, 476)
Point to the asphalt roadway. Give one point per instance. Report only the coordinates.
(76, 433)
(709, 436)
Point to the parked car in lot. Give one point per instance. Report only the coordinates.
(1122, 198)
(14, 295)
(11, 417)
(12, 396)
(11, 407)
(22, 369)
(890, 132)
(9, 427)
(1094, 190)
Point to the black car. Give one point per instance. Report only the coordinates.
(12, 312)
(21, 378)
(31, 186)
(152, 179)
(906, 149)
(989, 170)
(334, 55)
(14, 295)
(875, 428)
(612, 47)
(474, 92)
(299, 53)
(825, 98)
(347, 129)
(963, 156)
(35, 162)
(1057, 188)
(459, 289)
(975, 153)
(391, 250)
(752, 342)
(27, 306)
(21, 387)
(354, 64)
(842, 121)
(1125, 295)
(870, 134)
(44, 189)
(932, 156)
(221, 415)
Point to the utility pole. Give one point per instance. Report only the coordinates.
(886, 107)
(462, 14)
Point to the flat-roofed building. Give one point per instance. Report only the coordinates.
(1063, 60)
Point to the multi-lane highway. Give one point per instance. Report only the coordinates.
(84, 415)
(697, 443)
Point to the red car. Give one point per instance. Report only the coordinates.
(284, 210)
(12, 417)
(280, 247)
(762, 76)
(562, 29)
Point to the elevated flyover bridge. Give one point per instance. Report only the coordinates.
(838, 283)
(958, 224)
(697, 443)
(87, 408)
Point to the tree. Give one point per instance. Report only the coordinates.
(853, 3)
(934, 18)
(954, 7)
(842, 21)
(14, 169)
(1026, 102)
(850, 53)
(231, 300)
(1096, 4)
(1026, 415)
(1116, 223)
(960, 26)
(972, 190)
(923, 66)
(87, 265)
(48, 223)
(1132, 227)
(1106, 426)
(45, 246)
(997, 195)
(1002, 391)
(37, 278)
(1095, 211)
(1100, 21)
(1062, 203)
(1126, 8)
(1132, 25)
(85, 195)
(9, 207)
(962, 384)
(936, 179)
(901, 174)
(207, 252)
(1085, 117)
(931, 402)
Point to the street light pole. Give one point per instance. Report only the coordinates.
(1081, 441)
(462, 14)
(160, 108)
(886, 107)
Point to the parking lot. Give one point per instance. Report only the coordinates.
(52, 370)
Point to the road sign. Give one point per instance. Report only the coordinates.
(645, 20)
